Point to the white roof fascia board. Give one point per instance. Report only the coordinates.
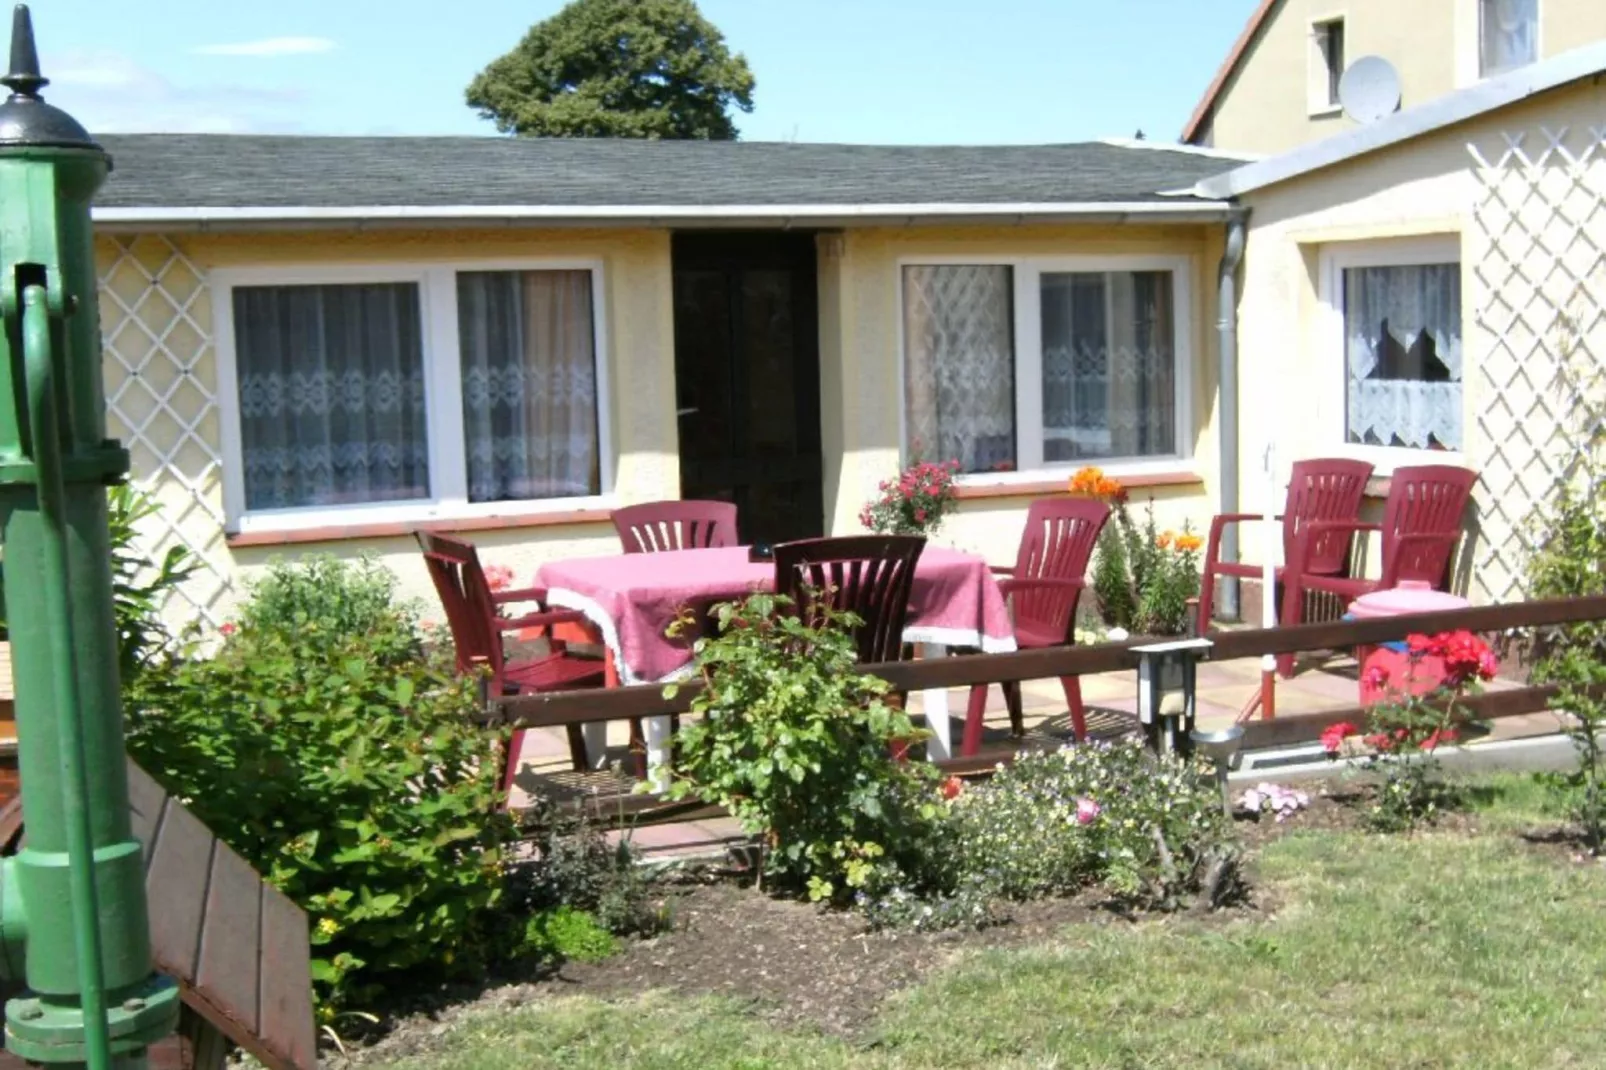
(804, 213)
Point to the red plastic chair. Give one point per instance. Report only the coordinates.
(1327, 489)
(677, 525)
(1043, 589)
(1419, 533)
(869, 576)
(474, 614)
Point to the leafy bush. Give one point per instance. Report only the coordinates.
(1569, 561)
(345, 769)
(573, 865)
(321, 596)
(795, 743)
(564, 934)
(1102, 813)
(1416, 716)
(139, 584)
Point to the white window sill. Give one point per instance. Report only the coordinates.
(1157, 472)
(389, 521)
(1385, 459)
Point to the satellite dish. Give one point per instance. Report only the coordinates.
(1369, 89)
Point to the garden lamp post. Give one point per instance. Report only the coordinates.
(1221, 747)
(73, 921)
(1166, 673)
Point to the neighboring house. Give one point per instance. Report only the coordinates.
(321, 344)
(1414, 290)
(1278, 87)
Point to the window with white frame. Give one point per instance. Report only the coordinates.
(1326, 63)
(1400, 311)
(1033, 364)
(1508, 35)
(443, 387)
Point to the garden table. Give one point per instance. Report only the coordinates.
(631, 599)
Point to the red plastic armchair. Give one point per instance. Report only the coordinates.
(1326, 489)
(677, 525)
(475, 616)
(1043, 589)
(1420, 531)
(869, 576)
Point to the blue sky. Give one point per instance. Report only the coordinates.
(893, 71)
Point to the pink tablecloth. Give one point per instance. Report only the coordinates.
(632, 598)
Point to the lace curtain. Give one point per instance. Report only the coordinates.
(529, 384)
(1508, 34)
(1402, 330)
(331, 394)
(959, 364)
(1109, 365)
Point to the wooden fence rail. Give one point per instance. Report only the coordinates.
(649, 700)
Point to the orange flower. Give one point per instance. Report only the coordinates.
(1163, 540)
(1086, 481)
(1188, 543)
(1091, 482)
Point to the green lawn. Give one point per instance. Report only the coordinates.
(1439, 950)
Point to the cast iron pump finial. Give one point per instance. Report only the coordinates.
(25, 118)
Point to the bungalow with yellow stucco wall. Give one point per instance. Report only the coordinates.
(323, 344)
(1431, 288)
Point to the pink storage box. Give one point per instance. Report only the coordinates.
(1405, 676)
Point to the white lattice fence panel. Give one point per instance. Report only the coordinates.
(161, 399)
(1538, 252)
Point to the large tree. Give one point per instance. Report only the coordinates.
(617, 68)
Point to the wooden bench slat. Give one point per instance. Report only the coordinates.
(145, 799)
(227, 971)
(175, 885)
(286, 996)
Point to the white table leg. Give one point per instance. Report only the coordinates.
(596, 737)
(935, 701)
(657, 729)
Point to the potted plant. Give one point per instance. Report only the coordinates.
(1143, 577)
(915, 503)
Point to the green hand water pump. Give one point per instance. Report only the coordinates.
(73, 924)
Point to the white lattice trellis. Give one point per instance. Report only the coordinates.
(1539, 300)
(161, 398)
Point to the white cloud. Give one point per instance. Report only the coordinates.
(269, 46)
(110, 93)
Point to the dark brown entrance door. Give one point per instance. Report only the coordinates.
(747, 378)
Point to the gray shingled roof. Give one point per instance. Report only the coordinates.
(250, 171)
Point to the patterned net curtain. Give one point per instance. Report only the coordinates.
(959, 364)
(1109, 365)
(529, 384)
(1402, 329)
(331, 394)
(1508, 34)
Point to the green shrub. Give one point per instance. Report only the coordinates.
(1569, 561)
(1150, 831)
(345, 769)
(571, 863)
(1142, 576)
(321, 596)
(1108, 813)
(795, 743)
(564, 934)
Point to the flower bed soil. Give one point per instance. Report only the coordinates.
(800, 965)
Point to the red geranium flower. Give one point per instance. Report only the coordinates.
(1333, 736)
(952, 787)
